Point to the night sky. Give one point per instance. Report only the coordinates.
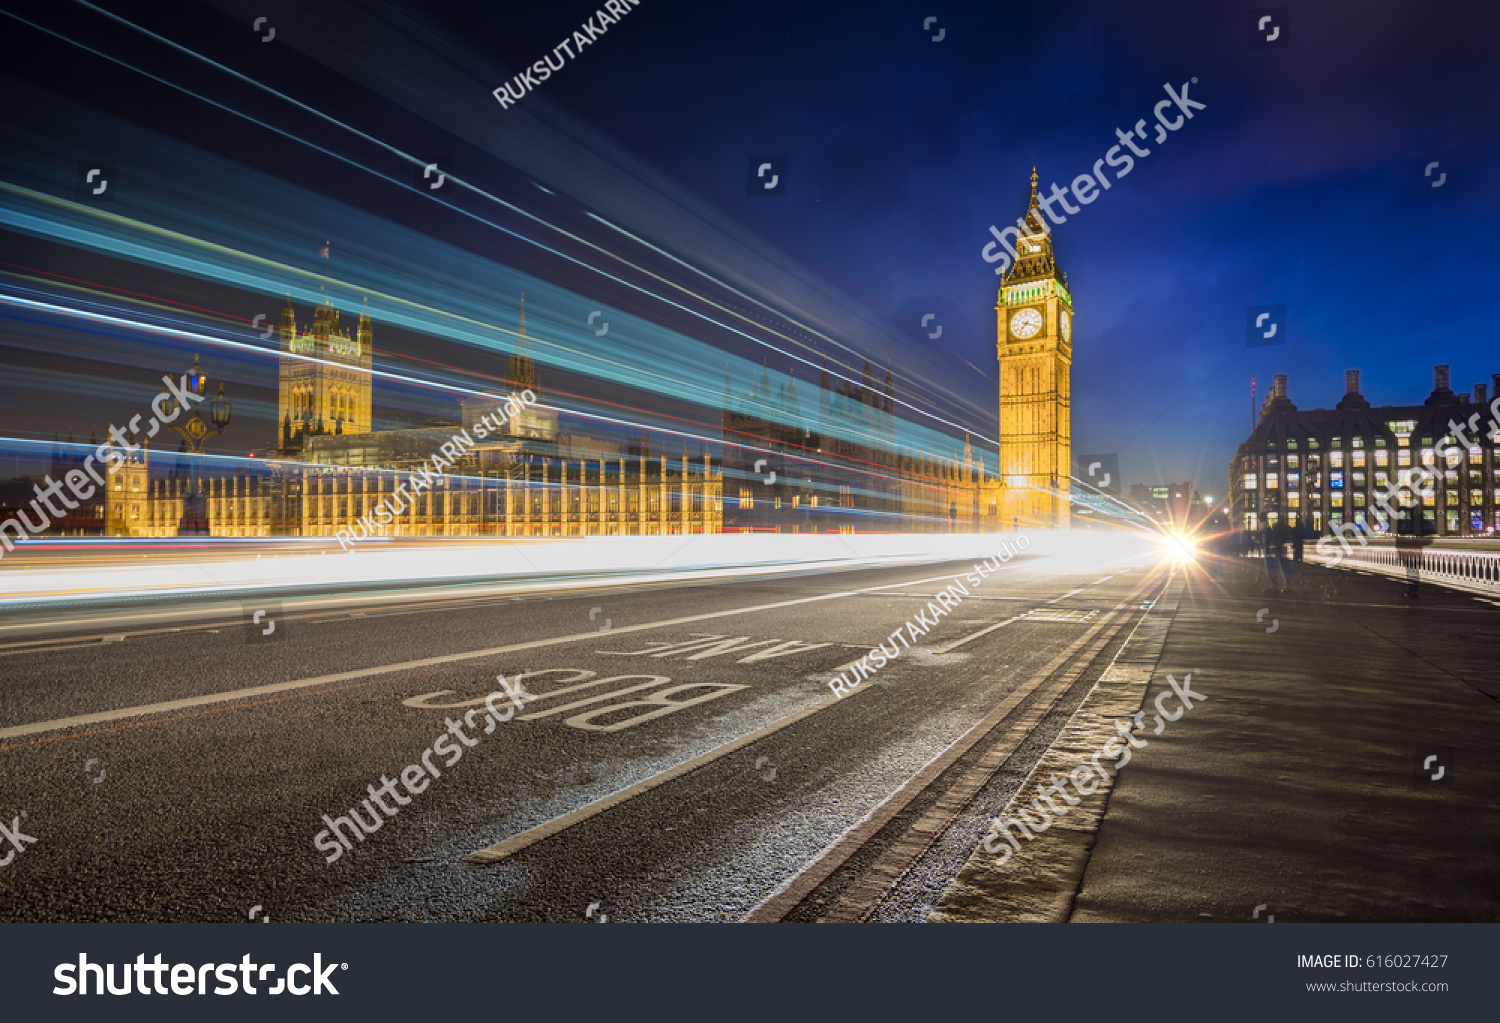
(1302, 182)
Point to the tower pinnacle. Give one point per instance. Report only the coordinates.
(522, 366)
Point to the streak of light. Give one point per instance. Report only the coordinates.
(848, 465)
(468, 326)
(417, 162)
(619, 560)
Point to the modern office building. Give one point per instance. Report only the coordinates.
(1172, 504)
(1319, 468)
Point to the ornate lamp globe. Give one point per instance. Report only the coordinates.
(219, 409)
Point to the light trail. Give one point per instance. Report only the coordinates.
(466, 331)
(416, 162)
(81, 284)
(576, 561)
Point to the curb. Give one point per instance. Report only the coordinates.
(1039, 881)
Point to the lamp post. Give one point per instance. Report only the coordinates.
(195, 431)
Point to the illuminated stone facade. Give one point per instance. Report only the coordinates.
(330, 395)
(1034, 347)
(838, 468)
(330, 469)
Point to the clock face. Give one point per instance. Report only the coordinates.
(1026, 323)
(1067, 327)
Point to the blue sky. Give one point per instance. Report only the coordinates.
(1302, 182)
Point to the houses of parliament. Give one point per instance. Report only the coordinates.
(833, 465)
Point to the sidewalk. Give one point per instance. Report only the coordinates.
(1298, 784)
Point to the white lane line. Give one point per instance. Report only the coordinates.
(1065, 596)
(1106, 579)
(972, 596)
(975, 635)
(37, 727)
(795, 889)
(57, 645)
(940, 650)
(955, 645)
(514, 844)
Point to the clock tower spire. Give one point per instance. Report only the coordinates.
(1034, 256)
(1034, 346)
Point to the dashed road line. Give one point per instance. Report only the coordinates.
(168, 706)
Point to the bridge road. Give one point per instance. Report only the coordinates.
(184, 775)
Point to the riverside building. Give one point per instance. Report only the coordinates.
(1318, 468)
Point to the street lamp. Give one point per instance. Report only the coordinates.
(195, 431)
(219, 409)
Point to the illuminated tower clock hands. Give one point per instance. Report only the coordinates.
(1026, 323)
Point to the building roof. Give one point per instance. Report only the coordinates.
(1354, 416)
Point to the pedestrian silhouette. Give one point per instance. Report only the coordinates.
(1274, 571)
(1409, 553)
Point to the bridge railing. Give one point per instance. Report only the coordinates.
(1471, 571)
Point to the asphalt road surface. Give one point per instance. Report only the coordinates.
(678, 754)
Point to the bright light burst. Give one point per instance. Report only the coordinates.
(1180, 547)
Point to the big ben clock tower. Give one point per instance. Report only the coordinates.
(1034, 345)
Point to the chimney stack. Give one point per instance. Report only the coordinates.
(1479, 395)
(1278, 386)
(1440, 377)
(1352, 399)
